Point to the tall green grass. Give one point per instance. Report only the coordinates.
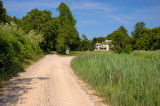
(122, 79)
(147, 54)
(76, 53)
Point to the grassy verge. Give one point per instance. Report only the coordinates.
(122, 79)
(147, 54)
(77, 53)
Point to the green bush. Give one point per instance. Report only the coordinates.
(147, 54)
(128, 49)
(15, 48)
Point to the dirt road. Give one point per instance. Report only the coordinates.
(50, 82)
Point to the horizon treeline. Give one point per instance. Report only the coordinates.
(142, 38)
(59, 33)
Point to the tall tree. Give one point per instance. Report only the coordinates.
(137, 29)
(68, 35)
(2, 13)
(16, 20)
(98, 39)
(86, 44)
(156, 38)
(50, 35)
(144, 40)
(120, 41)
(123, 30)
(36, 20)
(8, 19)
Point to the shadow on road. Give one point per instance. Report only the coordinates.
(53, 52)
(16, 89)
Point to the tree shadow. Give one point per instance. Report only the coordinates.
(16, 89)
(53, 52)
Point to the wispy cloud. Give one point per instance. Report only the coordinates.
(121, 20)
(92, 6)
(149, 12)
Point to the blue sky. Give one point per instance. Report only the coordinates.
(96, 18)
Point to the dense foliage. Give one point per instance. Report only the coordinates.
(121, 40)
(15, 48)
(86, 44)
(123, 79)
(2, 13)
(68, 36)
(142, 38)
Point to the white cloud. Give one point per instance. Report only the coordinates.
(25, 6)
(119, 19)
(92, 6)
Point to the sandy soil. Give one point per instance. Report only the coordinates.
(50, 82)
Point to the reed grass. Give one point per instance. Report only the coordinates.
(122, 79)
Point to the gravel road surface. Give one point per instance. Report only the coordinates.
(50, 82)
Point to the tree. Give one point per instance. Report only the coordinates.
(36, 20)
(8, 19)
(120, 41)
(16, 20)
(2, 13)
(86, 44)
(156, 38)
(123, 30)
(50, 35)
(145, 39)
(98, 39)
(137, 29)
(68, 35)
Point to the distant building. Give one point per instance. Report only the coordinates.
(104, 46)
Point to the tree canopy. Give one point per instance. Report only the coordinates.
(121, 40)
(68, 35)
(36, 20)
(137, 29)
(123, 30)
(2, 13)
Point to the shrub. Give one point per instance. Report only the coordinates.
(15, 47)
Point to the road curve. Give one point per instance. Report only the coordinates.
(50, 82)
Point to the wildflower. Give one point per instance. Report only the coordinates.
(143, 56)
(154, 78)
(79, 57)
(156, 100)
